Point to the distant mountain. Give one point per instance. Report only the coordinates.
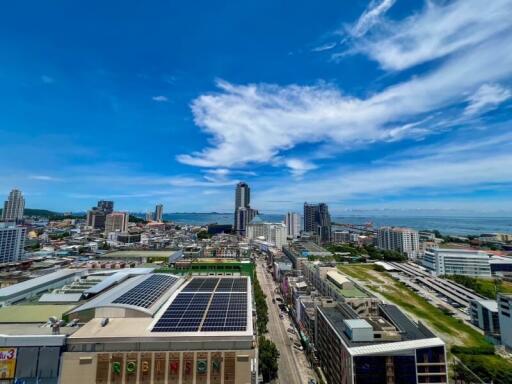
(39, 212)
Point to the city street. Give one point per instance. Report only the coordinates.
(293, 365)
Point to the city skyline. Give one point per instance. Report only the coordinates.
(359, 105)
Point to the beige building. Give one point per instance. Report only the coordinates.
(202, 334)
(116, 222)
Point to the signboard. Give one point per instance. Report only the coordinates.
(174, 368)
(7, 363)
(202, 368)
(116, 369)
(216, 368)
(159, 371)
(188, 368)
(131, 368)
(146, 366)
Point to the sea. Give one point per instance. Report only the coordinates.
(447, 222)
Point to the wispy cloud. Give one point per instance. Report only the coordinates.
(487, 97)
(160, 99)
(324, 47)
(448, 166)
(437, 31)
(371, 16)
(44, 178)
(258, 123)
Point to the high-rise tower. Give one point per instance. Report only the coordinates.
(318, 221)
(159, 212)
(14, 206)
(243, 211)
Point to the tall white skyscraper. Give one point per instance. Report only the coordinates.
(12, 243)
(404, 240)
(159, 213)
(292, 221)
(14, 206)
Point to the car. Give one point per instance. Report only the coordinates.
(273, 301)
(291, 330)
(281, 316)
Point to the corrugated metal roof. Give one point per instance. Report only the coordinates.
(24, 286)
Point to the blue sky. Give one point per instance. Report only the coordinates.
(380, 104)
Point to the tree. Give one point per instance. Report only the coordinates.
(268, 357)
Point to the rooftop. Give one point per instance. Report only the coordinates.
(44, 280)
(32, 313)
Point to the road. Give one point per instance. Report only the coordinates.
(290, 369)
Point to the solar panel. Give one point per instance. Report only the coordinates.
(227, 312)
(147, 292)
(201, 284)
(208, 305)
(232, 285)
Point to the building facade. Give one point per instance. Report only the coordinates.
(484, 315)
(317, 220)
(159, 213)
(292, 221)
(403, 240)
(116, 222)
(14, 206)
(106, 206)
(465, 262)
(505, 318)
(385, 348)
(274, 233)
(12, 243)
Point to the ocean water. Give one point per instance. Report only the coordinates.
(452, 223)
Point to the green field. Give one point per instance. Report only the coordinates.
(453, 331)
(485, 287)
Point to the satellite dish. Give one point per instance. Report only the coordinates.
(52, 319)
(104, 321)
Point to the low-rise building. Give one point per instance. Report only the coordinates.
(467, 262)
(484, 315)
(202, 334)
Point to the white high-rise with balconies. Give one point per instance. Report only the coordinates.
(292, 221)
(12, 243)
(404, 240)
(14, 206)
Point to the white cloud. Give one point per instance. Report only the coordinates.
(444, 168)
(299, 167)
(487, 97)
(324, 47)
(257, 123)
(438, 30)
(47, 79)
(371, 16)
(43, 178)
(160, 99)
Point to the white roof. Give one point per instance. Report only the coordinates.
(38, 282)
(60, 298)
(386, 266)
(491, 305)
(338, 277)
(377, 349)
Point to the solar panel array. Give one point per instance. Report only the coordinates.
(147, 292)
(207, 305)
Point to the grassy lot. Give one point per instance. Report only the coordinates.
(453, 331)
(485, 287)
